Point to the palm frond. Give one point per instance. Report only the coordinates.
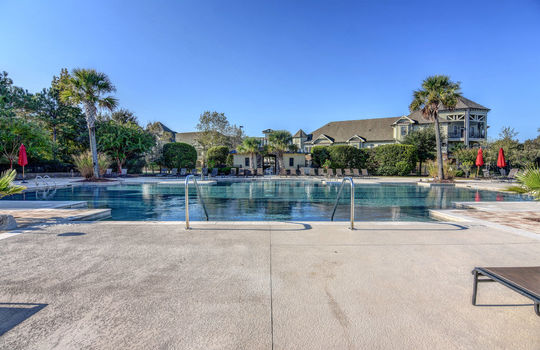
(7, 188)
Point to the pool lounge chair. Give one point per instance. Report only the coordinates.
(183, 172)
(330, 173)
(194, 172)
(356, 172)
(174, 172)
(365, 173)
(511, 175)
(123, 173)
(319, 172)
(348, 172)
(523, 280)
(339, 173)
(215, 172)
(305, 171)
(312, 172)
(204, 171)
(282, 172)
(260, 172)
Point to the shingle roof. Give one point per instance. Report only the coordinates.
(378, 129)
(300, 133)
(462, 103)
(164, 127)
(187, 137)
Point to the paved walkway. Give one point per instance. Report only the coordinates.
(143, 285)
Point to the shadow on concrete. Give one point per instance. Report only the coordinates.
(12, 314)
(71, 234)
(251, 228)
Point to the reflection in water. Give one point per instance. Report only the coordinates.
(270, 200)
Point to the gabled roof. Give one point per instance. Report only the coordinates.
(356, 137)
(378, 129)
(164, 127)
(323, 136)
(464, 103)
(300, 133)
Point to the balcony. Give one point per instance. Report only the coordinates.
(453, 136)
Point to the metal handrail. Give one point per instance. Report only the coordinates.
(352, 200)
(186, 184)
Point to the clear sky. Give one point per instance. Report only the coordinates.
(283, 64)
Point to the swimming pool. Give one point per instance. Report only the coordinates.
(262, 200)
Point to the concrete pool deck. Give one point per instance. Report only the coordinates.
(263, 285)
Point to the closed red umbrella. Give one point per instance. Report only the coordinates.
(501, 162)
(23, 160)
(479, 160)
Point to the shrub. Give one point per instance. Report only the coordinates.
(319, 155)
(404, 168)
(230, 160)
(217, 156)
(450, 170)
(348, 157)
(179, 155)
(530, 181)
(83, 163)
(387, 157)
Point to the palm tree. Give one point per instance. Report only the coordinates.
(87, 87)
(250, 145)
(280, 142)
(437, 92)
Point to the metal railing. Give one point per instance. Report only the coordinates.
(198, 195)
(352, 200)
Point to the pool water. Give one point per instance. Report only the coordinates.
(268, 200)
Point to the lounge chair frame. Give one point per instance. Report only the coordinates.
(493, 277)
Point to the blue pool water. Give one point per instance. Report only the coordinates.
(268, 200)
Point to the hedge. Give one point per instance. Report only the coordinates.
(179, 155)
(319, 154)
(394, 159)
(217, 156)
(340, 156)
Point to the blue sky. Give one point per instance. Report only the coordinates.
(283, 64)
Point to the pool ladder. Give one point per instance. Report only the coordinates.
(352, 200)
(45, 179)
(186, 185)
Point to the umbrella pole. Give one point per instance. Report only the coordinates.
(477, 170)
(23, 180)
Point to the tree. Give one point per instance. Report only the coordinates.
(179, 155)
(437, 92)
(65, 123)
(531, 151)
(15, 131)
(425, 142)
(280, 141)
(123, 140)
(87, 87)
(124, 116)
(217, 156)
(14, 101)
(215, 130)
(250, 146)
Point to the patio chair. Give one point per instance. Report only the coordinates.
(356, 172)
(312, 172)
(330, 173)
(319, 171)
(523, 280)
(305, 171)
(339, 173)
(348, 172)
(282, 172)
(250, 172)
(174, 171)
(214, 172)
(365, 173)
(194, 172)
(511, 175)
(183, 172)
(233, 172)
(204, 171)
(108, 172)
(123, 172)
(241, 172)
(260, 172)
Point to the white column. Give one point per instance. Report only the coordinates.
(467, 118)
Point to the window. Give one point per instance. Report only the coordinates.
(246, 161)
(403, 130)
(291, 161)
